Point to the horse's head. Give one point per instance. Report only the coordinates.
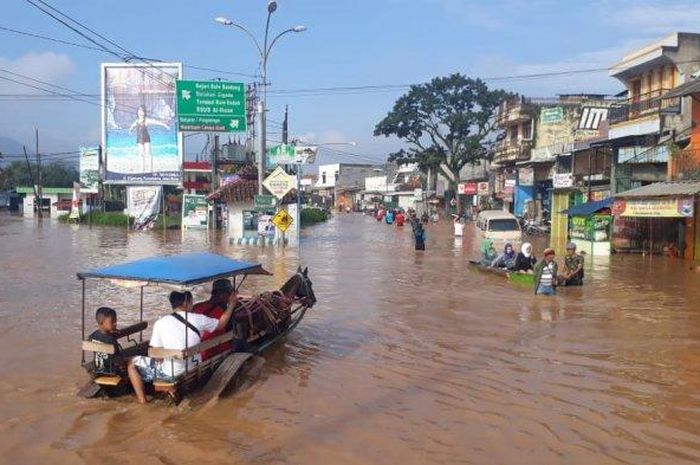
(300, 287)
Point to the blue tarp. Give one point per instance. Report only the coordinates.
(523, 194)
(185, 269)
(589, 208)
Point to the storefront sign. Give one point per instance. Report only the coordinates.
(467, 188)
(482, 188)
(195, 211)
(526, 176)
(551, 115)
(655, 208)
(563, 180)
(591, 228)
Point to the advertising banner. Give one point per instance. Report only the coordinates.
(483, 188)
(139, 128)
(143, 204)
(526, 176)
(89, 170)
(195, 211)
(286, 154)
(551, 115)
(655, 208)
(467, 188)
(563, 180)
(75, 203)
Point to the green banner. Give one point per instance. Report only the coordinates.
(195, 211)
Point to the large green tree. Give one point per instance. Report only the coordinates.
(53, 174)
(446, 123)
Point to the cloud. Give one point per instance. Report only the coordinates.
(654, 19)
(49, 67)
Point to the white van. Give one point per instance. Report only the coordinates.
(499, 226)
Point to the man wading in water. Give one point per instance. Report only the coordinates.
(546, 274)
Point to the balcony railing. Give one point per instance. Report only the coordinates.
(644, 105)
(685, 165)
(512, 152)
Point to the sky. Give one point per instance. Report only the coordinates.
(348, 43)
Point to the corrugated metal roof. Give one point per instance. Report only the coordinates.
(663, 189)
(684, 89)
(589, 208)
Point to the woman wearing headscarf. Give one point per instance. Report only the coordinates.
(506, 259)
(525, 261)
(488, 252)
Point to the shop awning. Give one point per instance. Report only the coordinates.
(663, 189)
(589, 208)
(690, 87)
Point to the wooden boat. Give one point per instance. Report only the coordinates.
(259, 322)
(522, 279)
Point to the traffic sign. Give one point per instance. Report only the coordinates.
(282, 220)
(216, 106)
(264, 202)
(279, 183)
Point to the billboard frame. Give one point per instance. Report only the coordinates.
(103, 123)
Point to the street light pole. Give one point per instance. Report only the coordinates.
(264, 52)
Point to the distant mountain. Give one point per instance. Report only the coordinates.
(9, 147)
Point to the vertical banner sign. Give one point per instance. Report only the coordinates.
(89, 170)
(139, 129)
(195, 211)
(75, 203)
(143, 203)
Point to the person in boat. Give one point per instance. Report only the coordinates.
(525, 261)
(215, 307)
(506, 259)
(177, 331)
(573, 266)
(546, 274)
(105, 333)
(488, 251)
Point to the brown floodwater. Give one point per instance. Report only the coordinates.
(408, 357)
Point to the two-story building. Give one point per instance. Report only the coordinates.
(339, 183)
(642, 127)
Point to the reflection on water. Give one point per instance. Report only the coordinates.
(409, 357)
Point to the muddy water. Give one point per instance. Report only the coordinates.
(408, 358)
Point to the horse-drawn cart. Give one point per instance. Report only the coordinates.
(258, 322)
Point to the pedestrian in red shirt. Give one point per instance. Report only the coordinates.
(400, 218)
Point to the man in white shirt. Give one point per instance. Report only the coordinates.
(176, 331)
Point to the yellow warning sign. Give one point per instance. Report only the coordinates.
(282, 220)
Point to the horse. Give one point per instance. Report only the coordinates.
(272, 314)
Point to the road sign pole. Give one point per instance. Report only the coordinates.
(299, 209)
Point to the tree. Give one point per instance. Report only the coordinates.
(446, 123)
(53, 174)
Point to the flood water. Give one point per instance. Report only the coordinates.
(408, 357)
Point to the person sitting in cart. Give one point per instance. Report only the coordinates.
(215, 307)
(176, 331)
(106, 319)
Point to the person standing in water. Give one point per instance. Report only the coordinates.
(546, 274)
(143, 137)
(573, 266)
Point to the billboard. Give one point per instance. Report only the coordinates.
(143, 203)
(89, 170)
(195, 211)
(139, 127)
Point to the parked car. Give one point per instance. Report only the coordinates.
(500, 226)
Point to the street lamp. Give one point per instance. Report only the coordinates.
(264, 53)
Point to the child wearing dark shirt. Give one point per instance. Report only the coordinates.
(106, 327)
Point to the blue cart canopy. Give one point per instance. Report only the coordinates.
(184, 270)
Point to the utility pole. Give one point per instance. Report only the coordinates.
(214, 179)
(285, 125)
(38, 175)
(31, 177)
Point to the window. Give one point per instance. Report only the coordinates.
(513, 133)
(527, 130)
(336, 175)
(323, 178)
(503, 225)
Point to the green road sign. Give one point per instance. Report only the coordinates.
(216, 106)
(264, 202)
